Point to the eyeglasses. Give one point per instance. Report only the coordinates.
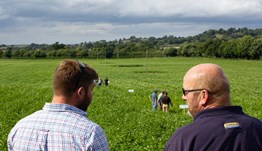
(82, 68)
(185, 92)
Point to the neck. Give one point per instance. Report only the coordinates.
(60, 100)
(216, 105)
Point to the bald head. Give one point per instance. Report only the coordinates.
(212, 78)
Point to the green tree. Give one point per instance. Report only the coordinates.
(256, 49)
(57, 46)
(8, 53)
(1, 53)
(39, 54)
(229, 49)
(71, 53)
(171, 52)
(84, 53)
(210, 47)
(188, 50)
(61, 53)
(28, 54)
(52, 54)
(244, 46)
(16, 53)
(22, 53)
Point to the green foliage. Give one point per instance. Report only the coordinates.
(189, 50)
(57, 46)
(8, 53)
(230, 43)
(256, 49)
(171, 52)
(39, 54)
(244, 46)
(126, 118)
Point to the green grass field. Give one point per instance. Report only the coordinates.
(127, 119)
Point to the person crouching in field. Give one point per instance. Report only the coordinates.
(62, 124)
(166, 102)
(217, 125)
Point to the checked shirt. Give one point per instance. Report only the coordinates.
(58, 127)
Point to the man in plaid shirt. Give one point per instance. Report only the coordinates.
(62, 124)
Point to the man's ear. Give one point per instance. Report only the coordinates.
(81, 92)
(204, 97)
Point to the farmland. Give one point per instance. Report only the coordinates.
(127, 119)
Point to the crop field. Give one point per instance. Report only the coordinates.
(127, 119)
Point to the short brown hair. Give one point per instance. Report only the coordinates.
(69, 75)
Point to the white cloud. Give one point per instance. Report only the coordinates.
(189, 8)
(27, 21)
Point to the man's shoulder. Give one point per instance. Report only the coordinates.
(65, 119)
(80, 121)
(256, 123)
(29, 117)
(91, 123)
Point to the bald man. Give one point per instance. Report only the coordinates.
(217, 125)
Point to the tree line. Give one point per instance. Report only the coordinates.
(240, 43)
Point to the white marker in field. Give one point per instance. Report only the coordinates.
(131, 91)
(184, 107)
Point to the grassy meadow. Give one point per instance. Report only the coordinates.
(127, 119)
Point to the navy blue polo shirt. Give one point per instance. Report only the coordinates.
(218, 129)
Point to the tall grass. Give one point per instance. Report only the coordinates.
(127, 119)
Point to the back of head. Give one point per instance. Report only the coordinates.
(212, 78)
(71, 74)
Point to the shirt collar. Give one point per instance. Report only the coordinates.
(63, 108)
(225, 110)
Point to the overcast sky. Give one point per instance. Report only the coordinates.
(75, 21)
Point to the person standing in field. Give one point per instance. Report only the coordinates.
(106, 81)
(153, 98)
(166, 102)
(100, 82)
(62, 124)
(159, 100)
(217, 125)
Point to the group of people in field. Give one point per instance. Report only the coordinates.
(161, 101)
(62, 124)
(100, 81)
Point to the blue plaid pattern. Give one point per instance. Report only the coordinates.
(58, 127)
